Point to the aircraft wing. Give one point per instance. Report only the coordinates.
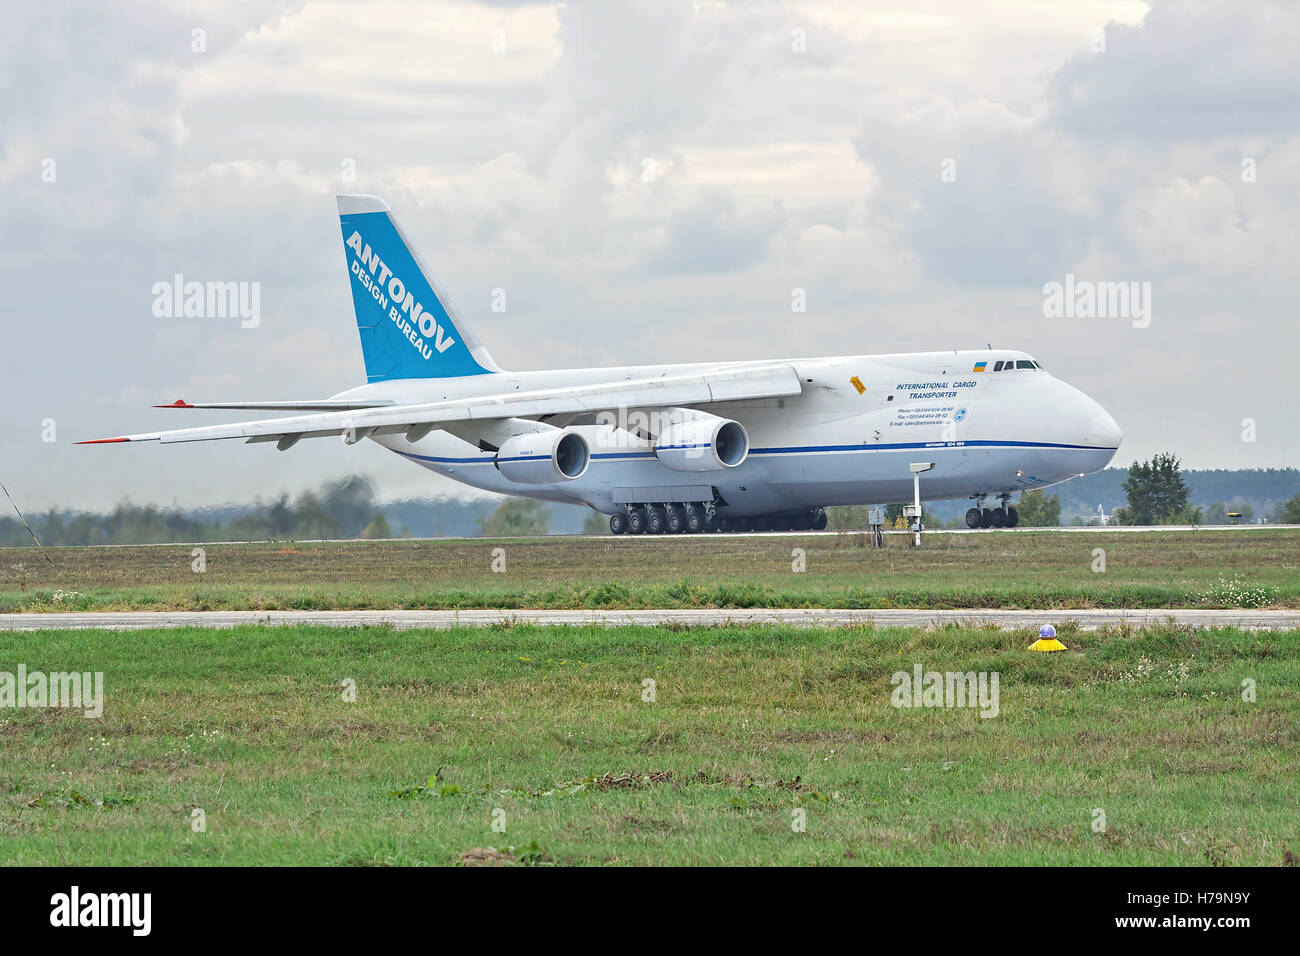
(735, 384)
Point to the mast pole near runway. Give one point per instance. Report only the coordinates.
(918, 467)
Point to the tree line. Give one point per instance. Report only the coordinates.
(344, 508)
(1157, 493)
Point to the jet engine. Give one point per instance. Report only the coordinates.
(543, 457)
(697, 441)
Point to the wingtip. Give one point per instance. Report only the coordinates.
(179, 403)
(101, 441)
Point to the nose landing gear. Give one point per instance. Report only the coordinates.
(981, 517)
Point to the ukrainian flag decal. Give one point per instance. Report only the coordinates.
(980, 366)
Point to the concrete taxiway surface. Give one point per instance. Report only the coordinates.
(806, 617)
(1065, 529)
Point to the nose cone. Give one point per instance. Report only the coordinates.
(1103, 432)
(1081, 421)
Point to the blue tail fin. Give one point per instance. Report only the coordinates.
(409, 327)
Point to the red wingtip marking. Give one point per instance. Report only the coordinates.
(101, 441)
(179, 403)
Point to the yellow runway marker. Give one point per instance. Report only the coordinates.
(1047, 640)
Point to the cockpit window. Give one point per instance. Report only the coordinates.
(997, 367)
(1024, 363)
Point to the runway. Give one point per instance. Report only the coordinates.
(1062, 529)
(1010, 620)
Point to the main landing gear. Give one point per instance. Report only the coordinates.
(688, 517)
(693, 517)
(981, 517)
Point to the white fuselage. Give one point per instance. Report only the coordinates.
(840, 442)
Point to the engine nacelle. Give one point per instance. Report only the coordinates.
(540, 458)
(702, 442)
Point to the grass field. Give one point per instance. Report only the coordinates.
(1048, 570)
(547, 730)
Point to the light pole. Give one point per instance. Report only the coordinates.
(917, 468)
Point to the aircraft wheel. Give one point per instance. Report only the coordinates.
(999, 518)
(656, 520)
(618, 523)
(819, 522)
(973, 518)
(636, 521)
(1013, 517)
(986, 518)
(696, 519)
(676, 520)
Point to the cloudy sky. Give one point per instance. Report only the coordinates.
(646, 182)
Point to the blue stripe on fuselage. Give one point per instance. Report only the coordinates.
(796, 450)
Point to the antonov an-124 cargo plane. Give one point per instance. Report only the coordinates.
(729, 446)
